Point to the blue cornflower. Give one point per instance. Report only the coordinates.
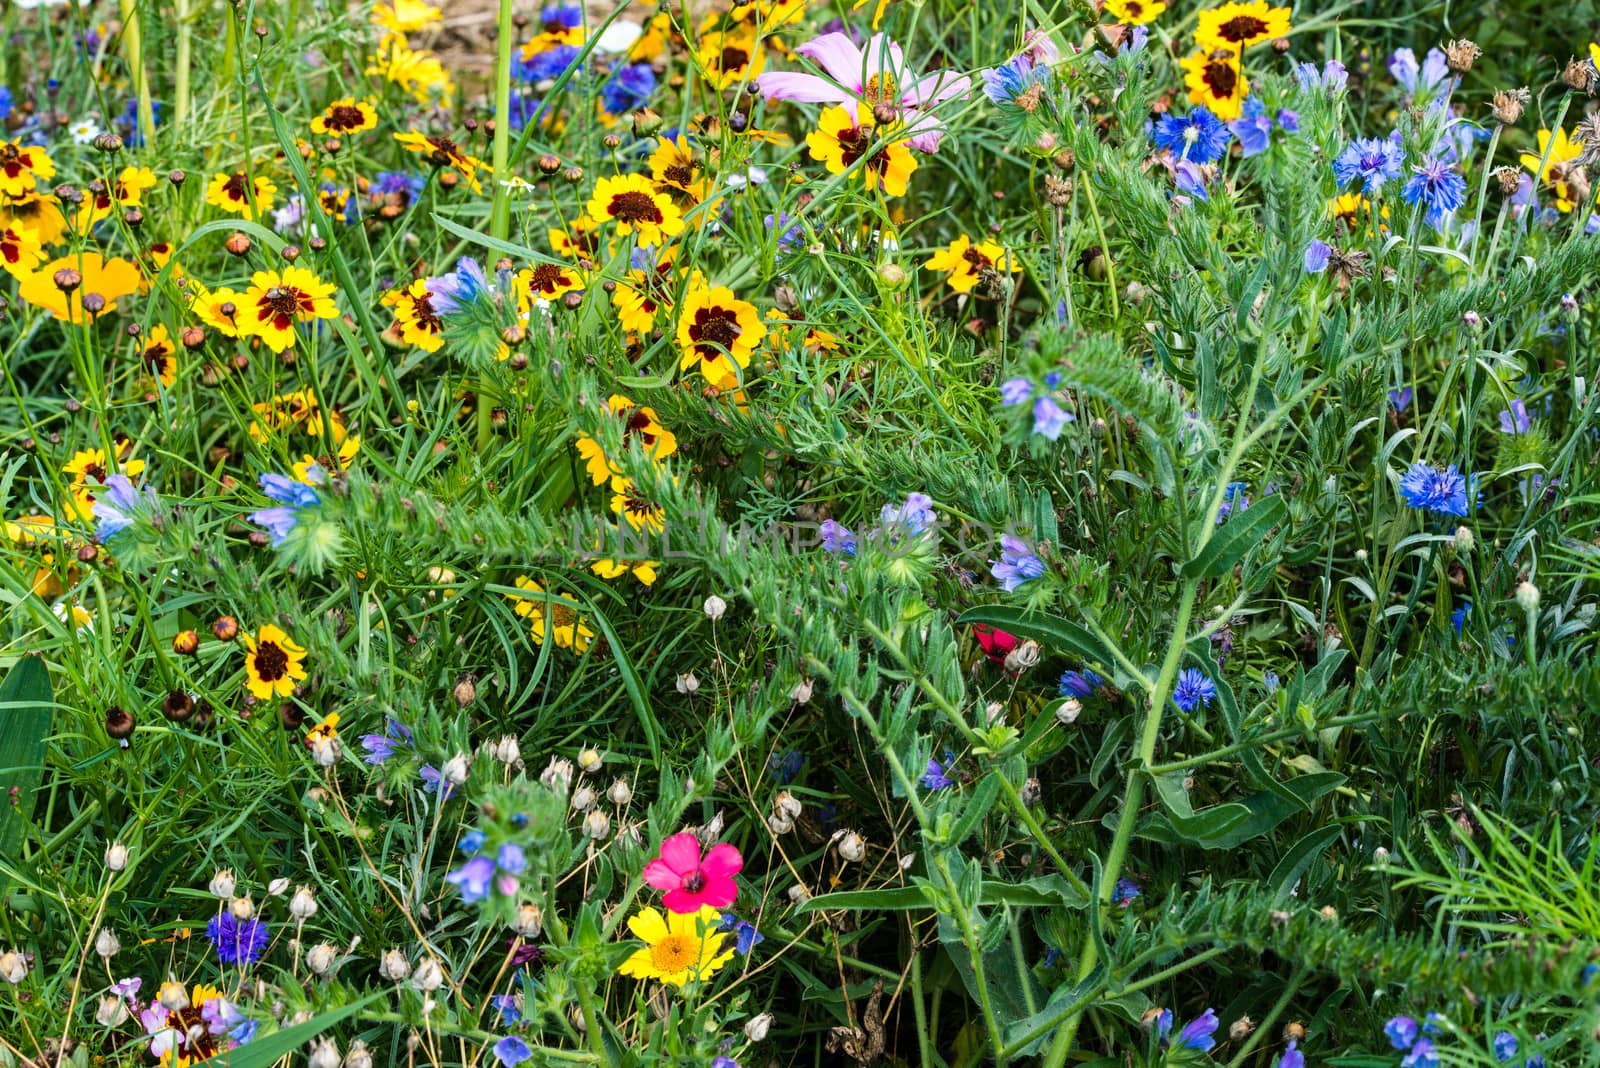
(1197, 1033)
(745, 935)
(934, 778)
(1400, 399)
(1317, 255)
(1440, 490)
(1458, 618)
(1193, 688)
(1199, 137)
(1233, 499)
(295, 497)
(118, 505)
(1401, 1031)
(549, 64)
(1017, 563)
(1516, 420)
(1190, 179)
(836, 538)
(1005, 83)
(1015, 391)
(1422, 1055)
(6, 101)
(1080, 684)
(511, 1051)
(528, 110)
(237, 941)
(1505, 1046)
(1252, 127)
(629, 88)
(1372, 160)
(1420, 81)
(1292, 1057)
(472, 878)
(1437, 186)
(1049, 418)
(391, 183)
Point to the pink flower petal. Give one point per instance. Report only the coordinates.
(937, 88)
(722, 861)
(884, 57)
(661, 876)
(681, 901)
(801, 88)
(838, 55)
(719, 893)
(681, 852)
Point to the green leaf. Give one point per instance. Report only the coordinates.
(1242, 532)
(26, 715)
(1300, 856)
(1046, 891)
(1224, 826)
(269, 1049)
(1057, 635)
(977, 807)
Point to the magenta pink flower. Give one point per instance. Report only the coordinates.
(878, 76)
(692, 883)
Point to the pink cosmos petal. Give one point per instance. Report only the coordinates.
(661, 876)
(801, 88)
(927, 141)
(681, 852)
(937, 88)
(721, 862)
(878, 63)
(838, 55)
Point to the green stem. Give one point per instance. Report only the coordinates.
(1483, 192)
(963, 920)
(1289, 990)
(180, 107)
(1105, 249)
(500, 214)
(133, 51)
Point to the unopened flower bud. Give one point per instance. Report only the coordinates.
(466, 691)
(715, 607)
(1527, 596)
(597, 825)
(1023, 657)
(324, 1054)
(590, 761)
(558, 776)
(1240, 1029)
(186, 643)
(455, 770)
(1380, 855)
(508, 750)
(801, 694)
(320, 958)
(530, 920)
(111, 1012)
(394, 966)
(429, 976)
(107, 944)
(1464, 540)
(851, 846)
(891, 274)
(619, 793)
(756, 1028)
(688, 684)
(1471, 319)
(242, 907)
(237, 244)
(173, 996)
(226, 628)
(1068, 711)
(222, 883)
(303, 905)
(584, 799)
(116, 856)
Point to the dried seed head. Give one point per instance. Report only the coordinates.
(1508, 105)
(1581, 76)
(1240, 1029)
(394, 966)
(688, 684)
(584, 798)
(597, 825)
(116, 856)
(529, 921)
(851, 846)
(107, 944)
(619, 793)
(1460, 55)
(715, 607)
(222, 883)
(320, 958)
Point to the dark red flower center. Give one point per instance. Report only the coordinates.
(343, 117)
(635, 207)
(235, 186)
(1221, 79)
(695, 881)
(272, 663)
(714, 330)
(546, 277)
(1241, 28)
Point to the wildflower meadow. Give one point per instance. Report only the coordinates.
(762, 533)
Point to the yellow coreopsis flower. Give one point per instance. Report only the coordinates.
(276, 301)
(1552, 163)
(729, 56)
(444, 152)
(1236, 26)
(1216, 79)
(345, 117)
(220, 309)
(241, 195)
(40, 213)
(550, 281)
(1136, 12)
(636, 206)
(638, 424)
(718, 331)
(159, 357)
(415, 319)
(963, 262)
(569, 630)
(22, 168)
(842, 138)
(60, 286)
(417, 72)
(404, 16)
(679, 947)
(273, 663)
(127, 192)
(20, 249)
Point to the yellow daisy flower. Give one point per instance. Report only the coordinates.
(569, 630)
(110, 280)
(639, 423)
(728, 56)
(345, 117)
(404, 16)
(443, 152)
(1136, 12)
(1216, 79)
(219, 309)
(679, 947)
(232, 193)
(1552, 163)
(22, 167)
(276, 301)
(20, 249)
(716, 330)
(37, 212)
(159, 357)
(415, 319)
(636, 206)
(550, 281)
(273, 663)
(963, 262)
(1236, 26)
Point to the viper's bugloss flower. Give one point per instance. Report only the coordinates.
(1329, 79)
(1515, 420)
(679, 947)
(276, 301)
(1238, 26)
(1401, 1031)
(841, 140)
(911, 519)
(1316, 256)
(1015, 391)
(511, 1051)
(380, 747)
(118, 505)
(1193, 689)
(1080, 684)
(1505, 1046)
(1233, 499)
(1253, 128)
(692, 883)
(1215, 79)
(1124, 892)
(273, 662)
(1400, 399)
(1292, 1057)
(1438, 187)
(745, 935)
(1199, 136)
(1419, 82)
(864, 80)
(1017, 563)
(293, 497)
(237, 942)
(1422, 1055)
(1430, 488)
(837, 538)
(1049, 418)
(1196, 1034)
(473, 879)
(1136, 12)
(1372, 161)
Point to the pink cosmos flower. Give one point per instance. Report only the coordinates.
(692, 883)
(878, 76)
